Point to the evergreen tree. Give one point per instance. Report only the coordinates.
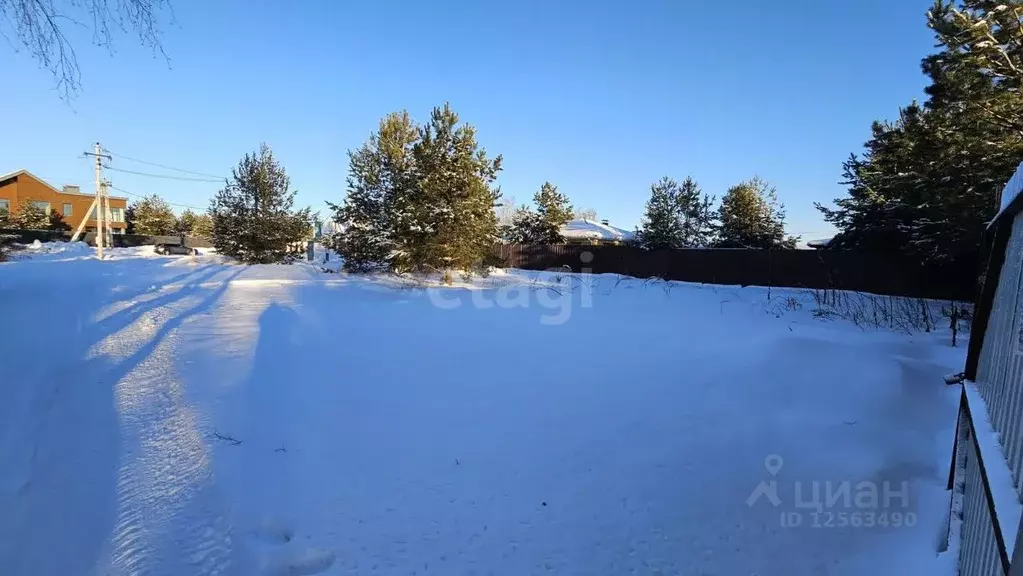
(451, 206)
(661, 227)
(696, 212)
(6, 240)
(526, 227)
(928, 183)
(418, 198)
(30, 217)
(554, 211)
(129, 219)
(379, 172)
(152, 216)
(982, 61)
(677, 216)
(253, 216)
(57, 223)
(544, 225)
(185, 223)
(751, 217)
(202, 226)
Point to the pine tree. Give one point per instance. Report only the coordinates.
(418, 198)
(30, 217)
(554, 211)
(661, 227)
(129, 219)
(677, 216)
(451, 206)
(152, 216)
(751, 217)
(253, 216)
(928, 183)
(543, 226)
(185, 223)
(696, 214)
(525, 226)
(202, 227)
(379, 173)
(982, 61)
(57, 223)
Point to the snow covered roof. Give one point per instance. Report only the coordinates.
(817, 244)
(581, 229)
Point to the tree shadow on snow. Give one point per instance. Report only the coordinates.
(60, 434)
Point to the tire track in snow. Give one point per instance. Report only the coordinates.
(170, 519)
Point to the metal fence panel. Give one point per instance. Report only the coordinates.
(842, 270)
(978, 554)
(1000, 370)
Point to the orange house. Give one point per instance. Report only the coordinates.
(23, 186)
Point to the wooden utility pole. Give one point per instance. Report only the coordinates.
(108, 216)
(100, 232)
(99, 207)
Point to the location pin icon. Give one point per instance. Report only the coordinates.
(773, 463)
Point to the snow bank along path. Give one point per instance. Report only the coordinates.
(181, 416)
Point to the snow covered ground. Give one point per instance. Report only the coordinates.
(181, 415)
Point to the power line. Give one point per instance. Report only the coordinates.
(164, 176)
(165, 167)
(112, 187)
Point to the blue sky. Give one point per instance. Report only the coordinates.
(600, 98)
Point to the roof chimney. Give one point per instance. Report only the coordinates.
(69, 189)
(604, 222)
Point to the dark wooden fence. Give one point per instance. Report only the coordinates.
(865, 272)
(120, 240)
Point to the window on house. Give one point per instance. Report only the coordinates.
(44, 206)
(117, 214)
(5, 206)
(67, 210)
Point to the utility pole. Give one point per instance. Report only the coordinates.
(98, 205)
(100, 233)
(108, 230)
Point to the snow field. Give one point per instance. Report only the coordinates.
(185, 416)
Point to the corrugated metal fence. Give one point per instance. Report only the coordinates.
(844, 270)
(1000, 371)
(983, 548)
(997, 369)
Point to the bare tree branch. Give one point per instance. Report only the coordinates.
(229, 439)
(38, 27)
